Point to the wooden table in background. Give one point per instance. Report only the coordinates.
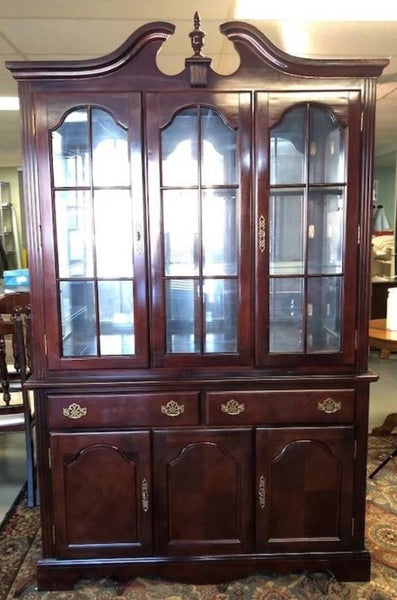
(381, 338)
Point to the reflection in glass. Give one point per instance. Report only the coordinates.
(323, 310)
(181, 222)
(116, 317)
(287, 148)
(181, 318)
(179, 149)
(74, 234)
(327, 148)
(113, 233)
(110, 156)
(218, 158)
(219, 232)
(286, 315)
(70, 151)
(78, 318)
(325, 230)
(286, 241)
(220, 306)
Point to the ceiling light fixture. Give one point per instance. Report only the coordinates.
(312, 10)
(9, 103)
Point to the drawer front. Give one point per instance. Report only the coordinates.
(279, 406)
(124, 410)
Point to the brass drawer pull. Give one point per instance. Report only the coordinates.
(262, 491)
(74, 411)
(262, 233)
(329, 406)
(232, 407)
(145, 495)
(172, 409)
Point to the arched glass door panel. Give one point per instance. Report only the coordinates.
(94, 233)
(306, 231)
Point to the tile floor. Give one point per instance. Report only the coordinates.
(383, 400)
(12, 468)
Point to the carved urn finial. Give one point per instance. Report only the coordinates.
(198, 64)
(197, 36)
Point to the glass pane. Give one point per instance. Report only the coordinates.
(116, 317)
(182, 309)
(325, 230)
(78, 318)
(110, 156)
(219, 157)
(327, 148)
(324, 314)
(181, 237)
(287, 148)
(113, 233)
(70, 151)
(179, 148)
(73, 217)
(219, 232)
(286, 315)
(286, 243)
(220, 304)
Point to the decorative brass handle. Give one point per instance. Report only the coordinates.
(262, 233)
(145, 495)
(138, 240)
(172, 409)
(74, 411)
(262, 491)
(329, 406)
(232, 407)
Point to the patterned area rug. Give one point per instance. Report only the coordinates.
(20, 547)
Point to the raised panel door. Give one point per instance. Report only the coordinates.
(101, 493)
(203, 491)
(304, 485)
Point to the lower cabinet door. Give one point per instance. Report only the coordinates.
(101, 493)
(304, 485)
(203, 491)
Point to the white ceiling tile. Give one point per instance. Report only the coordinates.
(228, 64)
(5, 46)
(96, 37)
(154, 10)
(354, 39)
(64, 36)
(170, 64)
(387, 106)
(8, 85)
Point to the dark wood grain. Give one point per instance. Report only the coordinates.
(203, 491)
(97, 486)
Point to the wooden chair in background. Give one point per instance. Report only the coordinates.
(16, 414)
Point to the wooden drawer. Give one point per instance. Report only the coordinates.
(124, 410)
(279, 406)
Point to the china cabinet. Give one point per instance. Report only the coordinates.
(199, 253)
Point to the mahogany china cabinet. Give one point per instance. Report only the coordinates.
(199, 257)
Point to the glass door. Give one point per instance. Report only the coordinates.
(310, 206)
(199, 202)
(97, 221)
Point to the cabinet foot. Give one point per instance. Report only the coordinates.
(63, 574)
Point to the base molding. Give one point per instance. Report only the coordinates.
(62, 574)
